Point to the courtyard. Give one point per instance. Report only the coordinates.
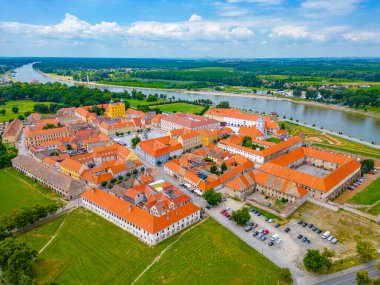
(313, 170)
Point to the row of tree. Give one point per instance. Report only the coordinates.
(6, 154)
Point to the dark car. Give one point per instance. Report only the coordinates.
(263, 238)
(267, 219)
(255, 233)
(258, 214)
(287, 230)
(310, 226)
(304, 239)
(248, 228)
(209, 207)
(300, 222)
(300, 236)
(314, 229)
(304, 225)
(308, 241)
(271, 243)
(254, 225)
(319, 232)
(277, 226)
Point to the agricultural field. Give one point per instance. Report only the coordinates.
(22, 105)
(180, 107)
(370, 196)
(84, 250)
(347, 227)
(134, 102)
(319, 139)
(18, 191)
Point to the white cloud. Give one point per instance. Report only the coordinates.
(297, 32)
(330, 7)
(228, 10)
(195, 18)
(263, 42)
(194, 29)
(362, 37)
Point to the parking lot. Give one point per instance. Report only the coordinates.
(290, 248)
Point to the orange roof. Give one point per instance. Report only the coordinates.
(189, 135)
(134, 112)
(31, 132)
(242, 182)
(71, 164)
(250, 131)
(157, 119)
(90, 176)
(13, 128)
(159, 146)
(50, 143)
(136, 215)
(235, 113)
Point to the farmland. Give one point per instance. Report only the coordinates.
(22, 105)
(18, 191)
(90, 250)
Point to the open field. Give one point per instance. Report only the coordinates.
(18, 191)
(180, 107)
(134, 102)
(22, 105)
(348, 228)
(319, 139)
(370, 196)
(90, 250)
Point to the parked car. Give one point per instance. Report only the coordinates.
(310, 226)
(255, 233)
(228, 208)
(326, 235)
(300, 222)
(308, 241)
(254, 225)
(334, 241)
(248, 228)
(269, 204)
(224, 199)
(300, 236)
(330, 238)
(209, 207)
(274, 237)
(270, 221)
(265, 232)
(258, 214)
(277, 226)
(222, 211)
(252, 210)
(267, 219)
(263, 238)
(260, 235)
(304, 225)
(271, 243)
(319, 232)
(314, 229)
(304, 239)
(287, 230)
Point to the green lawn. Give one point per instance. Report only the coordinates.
(22, 105)
(275, 140)
(369, 195)
(90, 250)
(180, 107)
(18, 191)
(375, 210)
(134, 102)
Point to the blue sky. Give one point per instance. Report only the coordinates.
(192, 28)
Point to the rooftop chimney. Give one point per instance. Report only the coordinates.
(130, 208)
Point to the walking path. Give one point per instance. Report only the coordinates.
(158, 257)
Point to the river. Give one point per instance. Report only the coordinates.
(352, 124)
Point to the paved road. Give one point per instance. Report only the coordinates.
(301, 277)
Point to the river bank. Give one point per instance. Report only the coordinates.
(219, 93)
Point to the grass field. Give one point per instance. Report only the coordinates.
(134, 102)
(22, 105)
(90, 250)
(275, 140)
(18, 191)
(180, 107)
(331, 141)
(368, 195)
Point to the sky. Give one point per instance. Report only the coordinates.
(190, 28)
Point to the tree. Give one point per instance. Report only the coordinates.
(286, 275)
(223, 167)
(365, 250)
(15, 109)
(241, 217)
(27, 114)
(367, 165)
(3, 111)
(135, 141)
(16, 260)
(362, 278)
(49, 126)
(223, 104)
(297, 93)
(21, 117)
(212, 197)
(282, 127)
(69, 147)
(314, 261)
(213, 169)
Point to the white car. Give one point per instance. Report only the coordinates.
(330, 238)
(228, 208)
(270, 220)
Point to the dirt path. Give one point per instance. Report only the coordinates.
(158, 257)
(55, 234)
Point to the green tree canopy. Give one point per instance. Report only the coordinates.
(242, 216)
(212, 197)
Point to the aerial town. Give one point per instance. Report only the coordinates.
(141, 188)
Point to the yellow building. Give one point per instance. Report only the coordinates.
(208, 137)
(116, 110)
(72, 168)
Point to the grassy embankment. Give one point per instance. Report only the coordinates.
(90, 250)
(317, 138)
